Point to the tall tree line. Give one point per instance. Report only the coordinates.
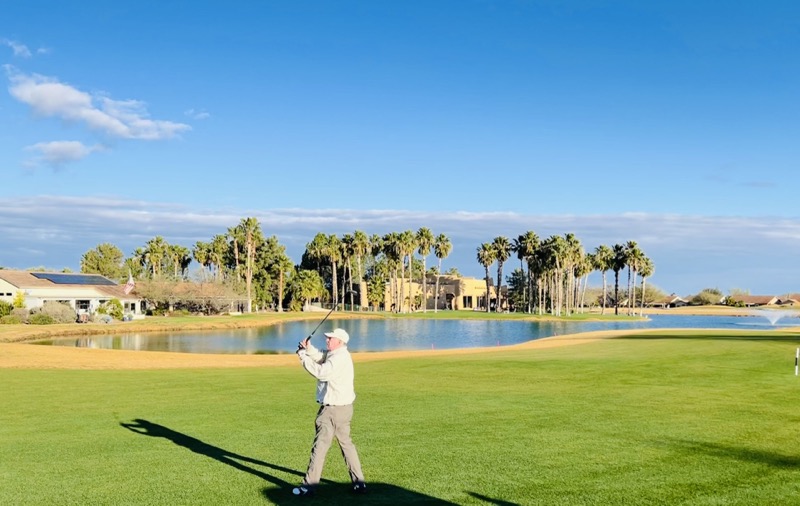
(381, 262)
(553, 273)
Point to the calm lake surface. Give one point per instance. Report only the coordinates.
(387, 335)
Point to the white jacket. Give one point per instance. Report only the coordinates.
(334, 373)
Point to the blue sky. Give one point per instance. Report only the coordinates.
(673, 124)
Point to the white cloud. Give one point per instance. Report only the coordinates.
(20, 50)
(194, 114)
(57, 153)
(690, 252)
(126, 119)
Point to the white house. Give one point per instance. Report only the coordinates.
(84, 292)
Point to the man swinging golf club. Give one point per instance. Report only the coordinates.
(333, 369)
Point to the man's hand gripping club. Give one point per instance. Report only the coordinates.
(302, 345)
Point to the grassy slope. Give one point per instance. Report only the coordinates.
(670, 420)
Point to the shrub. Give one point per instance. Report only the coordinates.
(102, 318)
(10, 319)
(19, 300)
(21, 313)
(5, 308)
(58, 311)
(112, 308)
(41, 319)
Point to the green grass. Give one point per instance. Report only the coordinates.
(671, 418)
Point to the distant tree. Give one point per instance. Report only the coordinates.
(441, 248)
(407, 242)
(486, 257)
(179, 259)
(707, 297)
(105, 259)
(425, 242)
(646, 269)
(361, 248)
(525, 246)
(217, 253)
(154, 254)
(452, 271)
(634, 256)
(502, 251)
(202, 255)
(248, 235)
(517, 288)
(282, 269)
(618, 262)
(602, 261)
(304, 286)
(348, 252)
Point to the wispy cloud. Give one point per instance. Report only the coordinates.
(57, 153)
(195, 114)
(20, 50)
(690, 252)
(125, 119)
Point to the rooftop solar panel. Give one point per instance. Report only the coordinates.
(74, 279)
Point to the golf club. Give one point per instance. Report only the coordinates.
(307, 339)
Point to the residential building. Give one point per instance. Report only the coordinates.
(83, 292)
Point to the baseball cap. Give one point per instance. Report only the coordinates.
(339, 334)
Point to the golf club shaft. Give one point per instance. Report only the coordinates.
(323, 320)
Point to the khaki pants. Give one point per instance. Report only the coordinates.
(333, 421)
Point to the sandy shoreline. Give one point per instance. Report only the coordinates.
(16, 354)
(30, 356)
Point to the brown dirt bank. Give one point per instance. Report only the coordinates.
(31, 356)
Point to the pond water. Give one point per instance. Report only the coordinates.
(393, 334)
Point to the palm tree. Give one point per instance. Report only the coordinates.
(283, 266)
(317, 250)
(219, 247)
(233, 235)
(525, 247)
(552, 260)
(582, 270)
(634, 256)
(407, 243)
(154, 253)
(348, 251)
(646, 269)
(333, 252)
(305, 285)
(390, 247)
(374, 250)
(248, 231)
(618, 262)
(486, 257)
(360, 249)
(602, 261)
(202, 254)
(179, 256)
(425, 242)
(573, 256)
(441, 248)
(502, 250)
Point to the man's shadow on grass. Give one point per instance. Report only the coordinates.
(328, 492)
(234, 460)
(743, 454)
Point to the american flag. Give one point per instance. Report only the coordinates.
(129, 285)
